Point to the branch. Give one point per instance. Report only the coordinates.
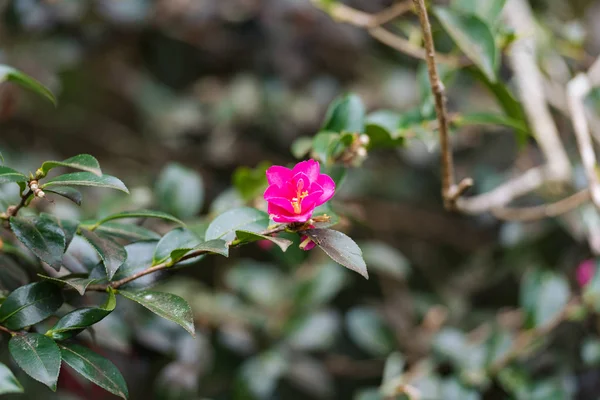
(12, 211)
(11, 332)
(544, 211)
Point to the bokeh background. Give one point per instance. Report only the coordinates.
(189, 91)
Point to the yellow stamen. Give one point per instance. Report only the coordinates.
(297, 201)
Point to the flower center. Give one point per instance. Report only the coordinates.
(300, 194)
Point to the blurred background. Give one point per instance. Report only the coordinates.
(207, 94)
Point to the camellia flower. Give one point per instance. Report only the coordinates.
(294, 193)
(585, 272)
(306, 243)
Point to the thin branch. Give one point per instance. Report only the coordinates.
(11, 332)
(543, 211)
(12, 211)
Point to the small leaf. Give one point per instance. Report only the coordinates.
(368, 330)
(489, 10)
(113, 255)
(345, 114)
(301, 146)
(69, 227)
(67, 192)
(10, 175)
(130, 232)
(473, 37)
(179, 238)
(43, 236)
(77, 283)
(166, 305)
(140, 214)
(84, 162)
(251, 182)
(245, 218)
(180, 191)
(491, 119)
(324, 144)
(94, 367)
(249, 237)
(37, 355)
(30, 304)
(8, 382)
(77, 320)
(86, 179)
(12, 75)
(216, 246)
(340, 248)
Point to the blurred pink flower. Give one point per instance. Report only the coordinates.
(306, 243)
(265, 244)
(585, 272)
(293, 194)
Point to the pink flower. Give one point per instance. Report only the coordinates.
(306, 243)
(585, 272)
(293, 194)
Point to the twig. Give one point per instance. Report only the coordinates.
(11, 332)
(544, 211)
(12, 211)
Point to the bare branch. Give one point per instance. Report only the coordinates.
(544, 211)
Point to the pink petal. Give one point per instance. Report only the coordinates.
(310, 168)
(328, 186)
(310, 202)
(309, 245)
(585, 272)
(301, 181)
(278, 175)
(274, 195)
(281, 215)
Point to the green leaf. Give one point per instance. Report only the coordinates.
(474, 37)
(179, 238)
(180, 191)
(368, 329)
(340, 248)
(251, 182)
(8, 382)
(249, 237)
(84, 162)
(96, 368)
(12, 75)
(67, 192)
(38, 356)
(383, 129)
(394, 366)
(130, 232)
(77, 320)
(10, 175)
(544, 295)
(244, 218)
(139, 214)
(490, 119)
(259, 375)
(12, 275)
(166, 305)
(324, 144)
(86, 179)
(78, 283)
(488, 10)
(385, 259)
(345, 114)
(30, 304)
(216, 246)
(301, 146)
(113, 255)
(43, 236)
(69, 227)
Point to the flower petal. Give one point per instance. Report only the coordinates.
(278, 175)
(281, 215)
(328, 186)
(310, 202)
(310, 168)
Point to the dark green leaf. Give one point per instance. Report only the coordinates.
(86, 179)
(12, 275)
(368, 330)
(12, 75)
(8, 382)
(94, 367)
(510, 105)
(77, 320)
(383, 129)
(245, 218)
(139, 214)
(473, 37)
(216, 246)
(249, 237)
(30, 304)
(166, 305)
(113, 255)
(37, 355)
(130, 232)
(345, 114)
(83, 162)
(68, 192)
(10, 175)
(43, 236)
(179, 238)
(180, 191)
(69, 227)
(78, 283)
(324, 144)
(340, 248)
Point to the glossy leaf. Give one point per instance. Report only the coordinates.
(113, 255)
(180, 191)
(10, 175)
(78, 283)
(166, 305)
(83, 162)
(245, 218)
(473, 37)
(69, 227)
(67, 192)
(179, 238)
(216, 246)
(30, 304)
(130, 232)
(10, 74)
(86, 179)
(249, 237)
(43, 236)
(77, 320)
(340, 248)
(8, 382)
(140, 214)
(345, 114)
(38, 356)
(95, 368)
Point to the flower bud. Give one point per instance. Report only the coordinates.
(585, 272)
(364, 139)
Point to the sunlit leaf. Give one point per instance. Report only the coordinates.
(245, 218)
(86, 179)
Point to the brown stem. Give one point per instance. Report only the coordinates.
(11, 332)
(12, 211)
